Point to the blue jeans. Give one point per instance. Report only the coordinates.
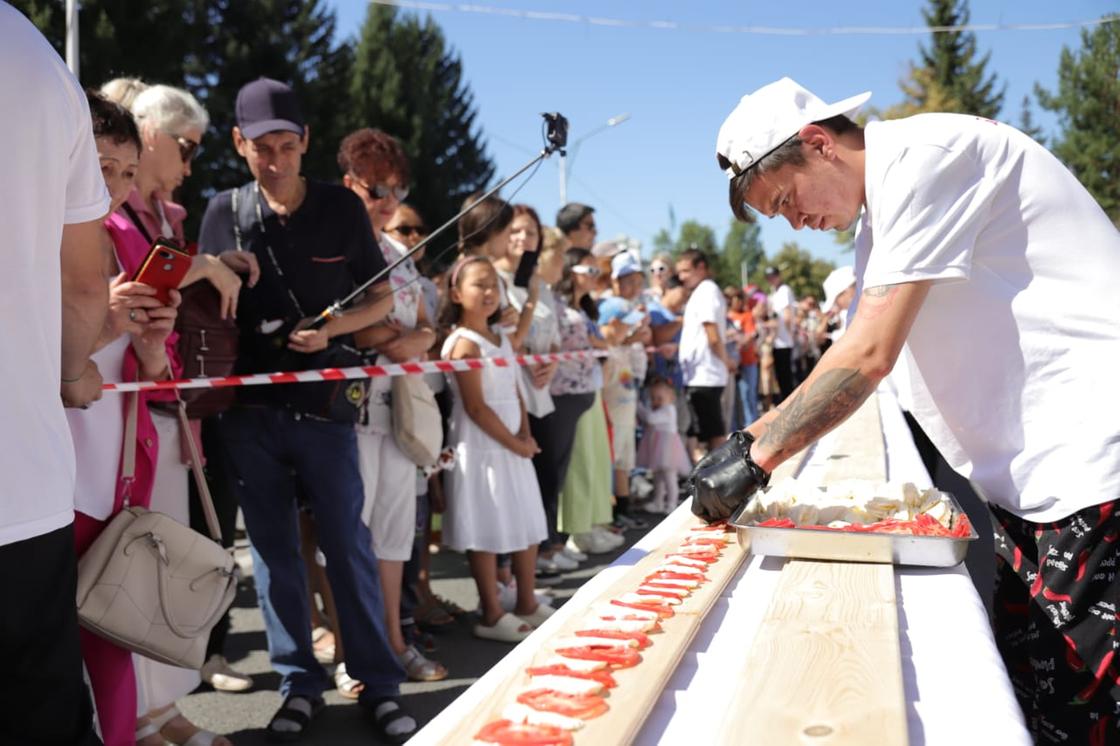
(748, 392)
(266, 445)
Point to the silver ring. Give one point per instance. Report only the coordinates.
(132, 314)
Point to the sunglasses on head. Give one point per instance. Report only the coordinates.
(586, 269)
(187, 148)
(410, 230)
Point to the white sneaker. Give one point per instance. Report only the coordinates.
(565, 563)
(608, 537)
(571, 552)
(547, 564)
(217, 673)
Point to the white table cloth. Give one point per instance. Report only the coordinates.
(956, 688)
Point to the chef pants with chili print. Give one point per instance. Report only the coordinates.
(1055, 622)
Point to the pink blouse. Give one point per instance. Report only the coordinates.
(131, 249)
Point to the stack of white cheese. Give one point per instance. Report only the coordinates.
(844, 503)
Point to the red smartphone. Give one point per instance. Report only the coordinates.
(163, 269)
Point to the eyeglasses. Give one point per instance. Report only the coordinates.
(586, 269)
(409, 230)
(381, 191)
(187, 148)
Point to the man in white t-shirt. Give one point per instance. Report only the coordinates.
(703, 355)
(982, 254)
(53, 198)
(783, 305)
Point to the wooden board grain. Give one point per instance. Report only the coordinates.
(858, 450)
(825, 667)
(638, 687)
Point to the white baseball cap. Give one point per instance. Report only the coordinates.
(765, 119)
(839, 280)
(625, 264)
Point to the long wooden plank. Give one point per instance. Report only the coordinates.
(825, 667)
(638, 687)
(858, 450)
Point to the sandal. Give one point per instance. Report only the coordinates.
(433, 616)
(539, 615)
(388, 711)
(323, 651)
(346, 686)
(507, 629)
(420, 668)
(298, 710)
(157, 723)
(451, 607)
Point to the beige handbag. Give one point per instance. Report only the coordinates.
(417, 423)
(150, 584)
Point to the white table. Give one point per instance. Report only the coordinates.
(956, 688)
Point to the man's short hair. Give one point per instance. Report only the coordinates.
(571, 215)
(788, 153)
(695, 258)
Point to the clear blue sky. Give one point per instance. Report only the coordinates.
(678, 85)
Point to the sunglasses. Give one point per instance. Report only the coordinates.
(187, 148)
(381, 191)
(584, 269)
(410, 230)
(658, 269)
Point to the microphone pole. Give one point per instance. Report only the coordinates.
(556, 139)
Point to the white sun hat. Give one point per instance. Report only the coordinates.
(765, 119)
(839, 280)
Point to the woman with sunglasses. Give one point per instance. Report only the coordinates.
(171, 123)
(660, 270)
(582, 472)
(376, 168)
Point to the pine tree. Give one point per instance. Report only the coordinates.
(1026, 122)
(949, 75)
(407, 82)
(1088, 106)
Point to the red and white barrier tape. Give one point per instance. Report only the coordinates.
(364, 371)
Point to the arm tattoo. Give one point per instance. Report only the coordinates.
(822, 406)
(876, 301)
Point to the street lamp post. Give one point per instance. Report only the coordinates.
(566, 160)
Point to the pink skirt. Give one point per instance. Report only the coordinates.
(663, 451)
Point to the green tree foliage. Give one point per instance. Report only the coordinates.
(1088, 106)
(804, 274)
(742, 247)
(1026, 122)
(407, 82)
(949, 76)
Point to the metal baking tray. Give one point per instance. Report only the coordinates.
(811, 543)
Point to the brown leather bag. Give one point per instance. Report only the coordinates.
(208, 348)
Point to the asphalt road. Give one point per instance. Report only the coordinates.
(243, 717)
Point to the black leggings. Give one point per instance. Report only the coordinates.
(556, 434)
(783, 370)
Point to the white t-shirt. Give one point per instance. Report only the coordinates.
(780, 300)
(1013, 357)
(699, 364)
(51, 177)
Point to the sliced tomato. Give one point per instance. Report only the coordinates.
(614, 634)
(582, 706)
(662, 610)
(706, 557)
(505, 733)
(662, 585)
(777, 523)
(603, 677)
(717, 526)
(648, 589)
(963, 530)
(613, 657)
(670, 575)
(706, 541)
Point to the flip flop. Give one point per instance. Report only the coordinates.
(507, 629)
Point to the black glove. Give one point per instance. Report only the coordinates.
(725, 479)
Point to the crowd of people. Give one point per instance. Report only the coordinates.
(533, 470)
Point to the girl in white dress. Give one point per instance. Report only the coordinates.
(493, 500)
